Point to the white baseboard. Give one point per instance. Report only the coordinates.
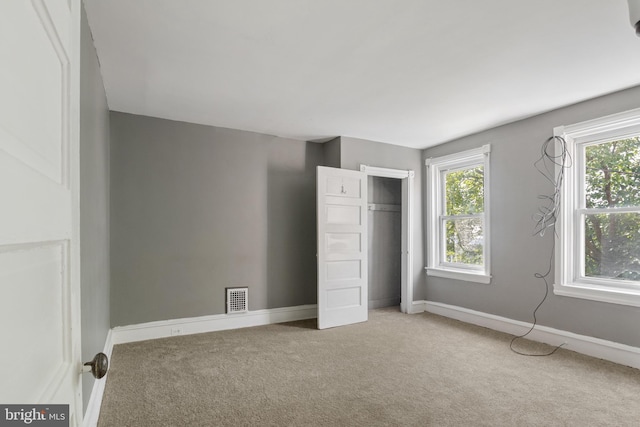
(216, 322)
(595, 347)
(95, 400)
(417, 307)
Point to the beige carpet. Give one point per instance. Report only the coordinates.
(395, 369)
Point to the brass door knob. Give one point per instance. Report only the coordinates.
(98, 366)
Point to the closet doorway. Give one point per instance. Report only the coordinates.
(389, 237)
(384, 203)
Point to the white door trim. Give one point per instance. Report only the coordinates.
(407, 177)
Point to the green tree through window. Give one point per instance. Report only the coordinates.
(612, 181)
(464, 200)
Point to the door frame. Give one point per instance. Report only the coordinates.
(407, 178)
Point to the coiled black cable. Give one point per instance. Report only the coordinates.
(552, 165)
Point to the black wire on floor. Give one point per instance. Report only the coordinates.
(552, 166)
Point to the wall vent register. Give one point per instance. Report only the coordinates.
(237, 300)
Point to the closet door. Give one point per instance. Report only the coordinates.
(342, 247)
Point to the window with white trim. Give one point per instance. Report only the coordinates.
(599, 222)
(458, 215)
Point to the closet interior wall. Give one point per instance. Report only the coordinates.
(385, 229)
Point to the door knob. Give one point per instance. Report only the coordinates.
(98, 366)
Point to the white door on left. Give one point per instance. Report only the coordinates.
(39, 222)
(342, 247)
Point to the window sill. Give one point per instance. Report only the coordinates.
(468, 276)
(607, 294)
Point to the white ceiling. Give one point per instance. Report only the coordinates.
(408, 72)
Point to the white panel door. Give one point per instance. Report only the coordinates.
(39, 254)
(342, 247)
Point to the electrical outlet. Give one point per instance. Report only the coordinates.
(176, 331)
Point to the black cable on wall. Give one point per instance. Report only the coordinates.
(553, 161)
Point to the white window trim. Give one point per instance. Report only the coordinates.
(567, 280)
(434, 201)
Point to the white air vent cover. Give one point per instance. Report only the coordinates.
(237, 300)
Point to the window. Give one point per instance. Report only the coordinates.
(458, 216)
(599, 223)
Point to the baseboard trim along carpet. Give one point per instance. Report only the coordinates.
(216, 322)
(595, 347)
(417, 307)
(92, 413)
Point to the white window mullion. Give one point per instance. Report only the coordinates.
(485, 236)
(581, 177)
(442, 247)
(447, 217)
(625, 209)
(579, 245)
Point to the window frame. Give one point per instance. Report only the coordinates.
(436, 239)
(569, 258)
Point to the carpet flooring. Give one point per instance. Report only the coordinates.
(394, 370)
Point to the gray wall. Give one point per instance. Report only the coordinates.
(354, 152)
(94, 205)
(516, 254)
(195, 209)
(332, 153)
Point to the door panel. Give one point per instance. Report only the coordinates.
(342, 247)
(344, 186)
(343, 242)
(337, 214)
(37, 79)
(344, 297)
(39, 304)
(343, 270)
